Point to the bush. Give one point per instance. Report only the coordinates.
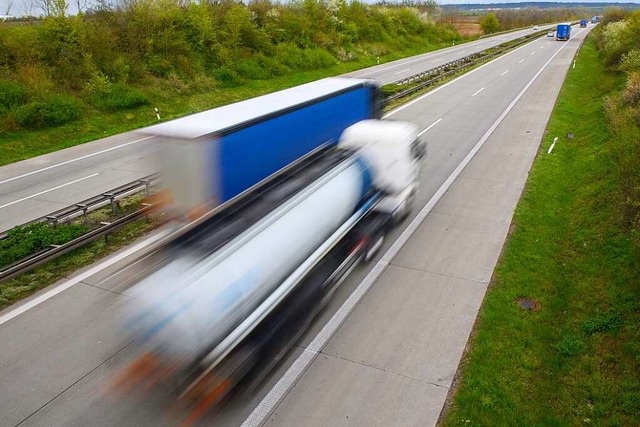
(631, 93)
(119, 97)
(54, 111)
(318, 58)
(24, 241)
(260, 67)
(490, 24)
(227, 77)
(11, 94)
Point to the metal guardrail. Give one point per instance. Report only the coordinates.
(454, 67)
(145, 184)
(82, 209)
(96, 202)
(46, 255)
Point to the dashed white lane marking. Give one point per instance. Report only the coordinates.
(47, 191)
(430, 126)
(478, 91)
(75, 160)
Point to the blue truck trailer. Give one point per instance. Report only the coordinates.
(240, 145)
(583, 23)
(563, 31)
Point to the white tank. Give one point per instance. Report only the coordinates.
(191, 304)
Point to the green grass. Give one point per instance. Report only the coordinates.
(26, 284)
(172, 101)
(576, 360)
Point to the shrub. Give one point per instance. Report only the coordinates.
(631, 92)
(490, 24)
(227, 77)
(27, 240)
(318, 58)
(630, 61)
(53, 111)
(119, 97)
(11, 94)
(260, 67)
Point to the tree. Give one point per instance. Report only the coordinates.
(490, 24)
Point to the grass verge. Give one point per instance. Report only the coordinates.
(575, 360)
(26, 284)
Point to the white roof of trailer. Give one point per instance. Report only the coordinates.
(228, 116)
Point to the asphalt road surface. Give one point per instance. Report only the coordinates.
(385, 350)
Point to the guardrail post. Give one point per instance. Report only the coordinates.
(147, 184)
(106, 235)
(84, 211)
(112, 199)
(53, 220)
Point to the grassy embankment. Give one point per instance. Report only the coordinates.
(576, 359)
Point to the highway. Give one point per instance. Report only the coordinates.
(386, 349)
(36, 187)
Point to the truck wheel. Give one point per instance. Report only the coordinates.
(408, 207)
(373, 247)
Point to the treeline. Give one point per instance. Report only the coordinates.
(618, 40)
(510, 18)
(107, 57)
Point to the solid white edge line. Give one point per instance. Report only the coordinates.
(429, 127)
(266, 407)
(478, 91)
(75, 280)
(49, 190)
(74, 160)
(420, 98)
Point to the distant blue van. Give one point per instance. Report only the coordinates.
(563, 31)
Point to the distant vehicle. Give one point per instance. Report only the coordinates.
(563, 31)
(551, 34)
(583, 23)
(535, 27)
(595, 19)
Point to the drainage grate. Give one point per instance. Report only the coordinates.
(527, 304)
